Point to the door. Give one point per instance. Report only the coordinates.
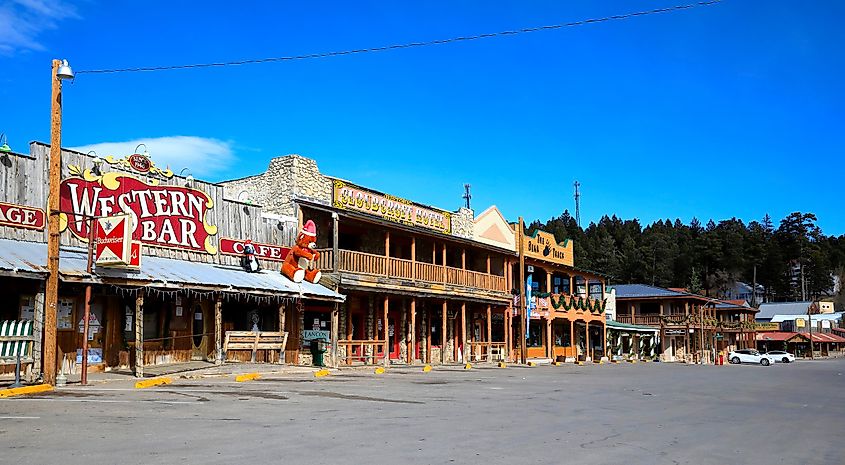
(96, 333)
(199, 340)
(357, 331)
(393, 335)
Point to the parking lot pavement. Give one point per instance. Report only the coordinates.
(603, 414)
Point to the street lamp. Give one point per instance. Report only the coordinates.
(146, 153)
(5, 147)
(61, 71)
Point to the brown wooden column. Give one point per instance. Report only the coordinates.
(218, 330)
(386, 337)
(443, 332)
(489, 331)
(428, 334)
(334, 336)
(463, 259)
(509, 333)
(139, 335)
(550, 346)
(587, 340)
(444, 264)
(413, 258)
(413, 342)
(464, 345)
(335, 242)
(572, 338)
(387, 243)
(349, 335)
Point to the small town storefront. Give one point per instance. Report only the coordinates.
(798, 344)
(631, 342)
(566, 305)
(172, 264)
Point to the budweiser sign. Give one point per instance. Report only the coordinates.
(162, 216)
(113, 240)
(18, 216)
(263, 251)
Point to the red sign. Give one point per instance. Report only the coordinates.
(262, 251)
(18, 216)
(163, 216)
(112, 240)
(139, 163)
(134, 255)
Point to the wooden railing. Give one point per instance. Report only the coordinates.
(651, 320)
(478, 351)
(376, 348)
(360, 262)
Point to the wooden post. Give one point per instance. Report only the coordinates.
(508, 332)
(444, 264)
(51, 296)
(550, 346)
(387, 244)
(489, 330)
(443, 333)
(572, 338)
(349, 335)
(335, 325)
(522, 301)
(413, 257)
(464, 347)
(587, 340)
(488, 263)
(335, 242)
(218, 330)
(428, 334)
(385, 325)
(38, 330)
(463, 259)
(413, 343)
(139, 335)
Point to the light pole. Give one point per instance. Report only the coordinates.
(60, 71)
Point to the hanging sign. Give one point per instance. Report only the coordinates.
(264, 251)
(542, 245)
(162, 215)
(19, 216)
(387, 207)
(139, 163)
(113, 240)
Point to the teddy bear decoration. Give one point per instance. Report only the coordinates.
(301, 261)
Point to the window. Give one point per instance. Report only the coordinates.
(560, 284)
(561, 334)
(595, 291)
(435, 331)
(535, 333)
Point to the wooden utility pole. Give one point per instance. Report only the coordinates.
(139, 334)
(523, 350)
(51, 295)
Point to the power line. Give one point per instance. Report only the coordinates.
(405, 45)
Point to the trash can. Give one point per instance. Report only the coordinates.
(318, 348)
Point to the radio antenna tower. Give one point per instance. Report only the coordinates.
(577, 203)
(467, 196)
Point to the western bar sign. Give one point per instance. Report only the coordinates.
(264, 251)
(161, 215)
(542, 245)
(350, 197)
(19, 216)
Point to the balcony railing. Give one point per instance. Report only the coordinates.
(652, 320)
(379, 265)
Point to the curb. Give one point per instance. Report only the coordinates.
(152, 382)
(11, 392)
(247, 377)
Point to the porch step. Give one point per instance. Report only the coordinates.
(541, 361)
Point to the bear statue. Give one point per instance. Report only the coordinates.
(301, 261)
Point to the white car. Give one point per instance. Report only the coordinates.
(750, 356)
(781, 356)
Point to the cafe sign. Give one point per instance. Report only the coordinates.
(263, 251)
(161, 215)
(544, 246)
(19, 216)
(387, 207)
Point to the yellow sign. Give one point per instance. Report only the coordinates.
(542, 245)
(799, 322)
(387, 207)
(767, 326)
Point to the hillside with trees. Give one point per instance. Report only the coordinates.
(709, 257)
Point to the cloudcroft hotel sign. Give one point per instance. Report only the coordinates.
(543, 246)
(387, 207)
(162, 215)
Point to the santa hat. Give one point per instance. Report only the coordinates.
(310, 229)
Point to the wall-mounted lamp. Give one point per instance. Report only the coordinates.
(4, 148)
(189, 179)
(98, 163)
(145, 153)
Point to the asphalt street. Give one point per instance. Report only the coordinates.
(596, 414)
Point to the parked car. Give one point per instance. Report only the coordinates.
(781, 356)
(750, 356)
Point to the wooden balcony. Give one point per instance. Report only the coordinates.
(545, 303)
(398, 268)
(652, 320)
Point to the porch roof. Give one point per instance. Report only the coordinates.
(158, 272)
(613, 324)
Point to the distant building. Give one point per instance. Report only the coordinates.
(744, 291)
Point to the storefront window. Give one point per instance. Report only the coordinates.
(435, 331)
(561, 334)
(560, 284)
(595, 291)
(535, 333)
(316, 325)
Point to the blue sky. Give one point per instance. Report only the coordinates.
(715, 112)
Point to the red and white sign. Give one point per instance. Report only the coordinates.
(113, 240)
(134, 255)
(140, 163)
(163, 216)
(263, 251)
(19, 216)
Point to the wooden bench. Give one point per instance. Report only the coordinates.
(16, 341)
(255, 341)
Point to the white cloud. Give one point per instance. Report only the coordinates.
(204, 158)
(22, 21)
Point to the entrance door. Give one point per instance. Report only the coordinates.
(393, 330)
(199, 341)
(357, 321)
